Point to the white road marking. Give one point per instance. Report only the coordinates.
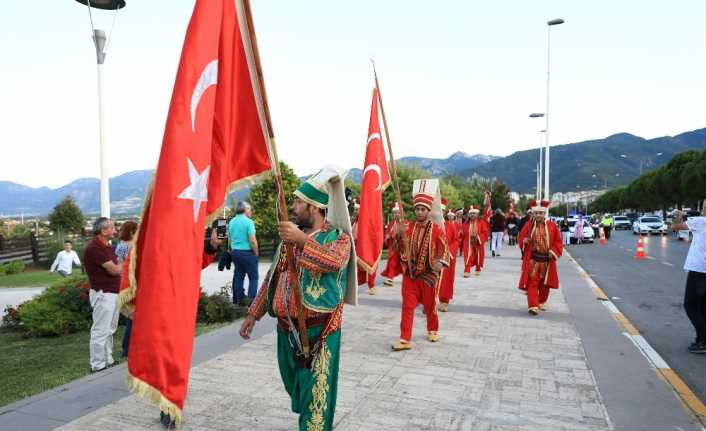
(650, 352)
(667, 263)
(611, 307)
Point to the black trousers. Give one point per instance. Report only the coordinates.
(695, 303)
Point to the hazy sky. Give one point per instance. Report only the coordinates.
(455, 75)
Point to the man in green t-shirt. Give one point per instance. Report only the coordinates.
(244, 251)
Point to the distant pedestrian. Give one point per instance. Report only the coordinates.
(127, 240)
(695, 264)
(104, 277)
(244, 250)
(578, 229)
(565, 232)
(65, 259)
(607, 224)
(497, 227)
(512, 230)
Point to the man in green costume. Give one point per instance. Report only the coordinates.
(324, 257)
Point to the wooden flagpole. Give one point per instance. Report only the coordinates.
(395, 181)
(274, 159)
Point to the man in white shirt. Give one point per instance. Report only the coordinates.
(65, 260)
(695, 293)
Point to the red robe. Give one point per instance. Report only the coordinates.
(423, 243)
(394, 266)
(555, 249)
(473, 250)
(446, 291)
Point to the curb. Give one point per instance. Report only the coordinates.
(688, 398)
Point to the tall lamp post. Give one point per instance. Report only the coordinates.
(644, 160)
(539, 166)
(550, 24)
(100, 40)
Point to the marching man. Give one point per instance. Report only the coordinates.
(424, 256)
(394, 266)
(541, 246)
(475, 234)
(448, 278)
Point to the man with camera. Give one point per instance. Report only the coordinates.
(244, 252)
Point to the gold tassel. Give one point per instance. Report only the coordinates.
(152, 395)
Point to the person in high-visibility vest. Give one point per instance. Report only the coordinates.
(607, 224)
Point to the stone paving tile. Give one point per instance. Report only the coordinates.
(495, 369)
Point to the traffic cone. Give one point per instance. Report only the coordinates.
(601, 233)
(640, 251)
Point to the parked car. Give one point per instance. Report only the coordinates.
(588, 235)
(649, 225)
(632, 217)
(621, 222)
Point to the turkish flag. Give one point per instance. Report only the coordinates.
(376, 177)
(487, 207)
(215, 135)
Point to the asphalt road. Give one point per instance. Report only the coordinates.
(650, 293)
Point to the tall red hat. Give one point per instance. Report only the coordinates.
(444, 203)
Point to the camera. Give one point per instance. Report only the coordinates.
(221, 226)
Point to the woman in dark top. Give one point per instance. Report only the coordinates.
(565, 234)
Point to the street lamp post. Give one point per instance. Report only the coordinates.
(539, 167)
(100, 41)
(550, 24)
(644, 160)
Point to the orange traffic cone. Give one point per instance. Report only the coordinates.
(601, 233)
(640, 251)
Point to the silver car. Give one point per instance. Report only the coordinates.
(649, 225)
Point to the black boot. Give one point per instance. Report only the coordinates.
(166, 421)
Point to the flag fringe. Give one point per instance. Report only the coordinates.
(368, 268)
(126, 298)
(252, 179)
(151, 394)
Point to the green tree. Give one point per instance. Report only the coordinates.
(406, 175)
(263, 198)
(66, 216)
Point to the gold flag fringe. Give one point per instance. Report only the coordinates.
(251, 180)
(367, 268)
(126, 298)
(149, 393)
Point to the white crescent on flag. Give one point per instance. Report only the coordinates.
(209, 77)
(374, 168)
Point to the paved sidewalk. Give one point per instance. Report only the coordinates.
(495, 368)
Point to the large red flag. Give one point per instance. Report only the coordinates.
(376, 177)
(215, 135)
(487, 207)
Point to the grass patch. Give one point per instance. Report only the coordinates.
(34, 365)
(30, 278)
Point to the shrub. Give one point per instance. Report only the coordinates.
(11, 320)
(61, 309)
(2, 270)
(217, 308)
(14, 267)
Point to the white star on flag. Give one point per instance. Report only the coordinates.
(197, 191)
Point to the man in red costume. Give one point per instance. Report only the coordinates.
(459, 229)
(424, 256)
(448, 278)
(542, 246)
(394, 266)
(475, 234)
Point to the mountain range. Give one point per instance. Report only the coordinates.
(595, 164)
(584, 165)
